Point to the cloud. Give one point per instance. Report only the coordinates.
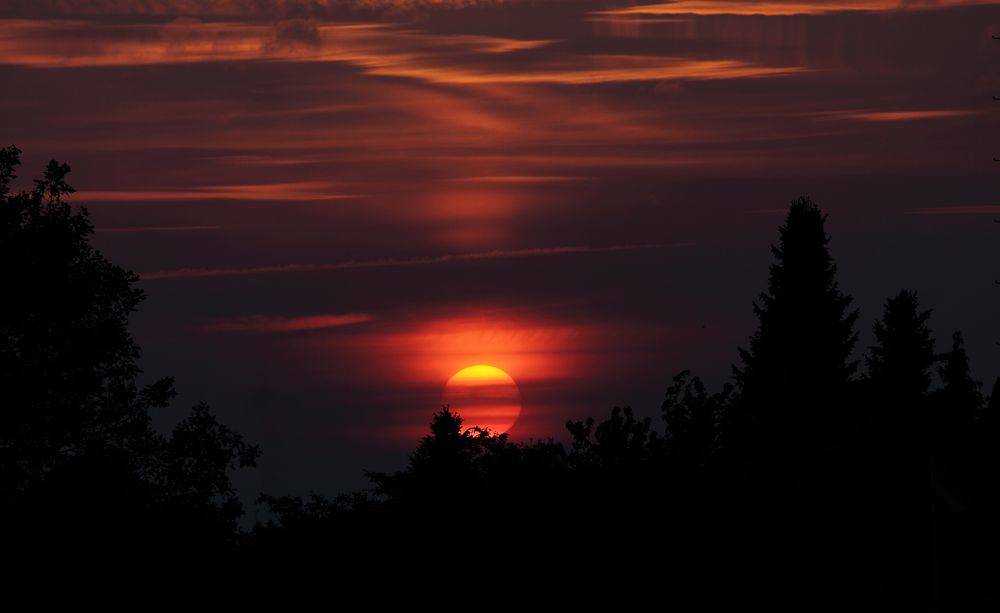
(602, 69)
(302, 191)
(144, 229)
(381, 50)
(265, 324)
(893, 116)
(737, 7)
(970, 209)
(262, 9)
(291, 32)
(516, 179)
(199, 273)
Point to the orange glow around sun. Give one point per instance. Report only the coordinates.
(485, 397)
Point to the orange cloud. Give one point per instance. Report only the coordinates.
(377, 49)
(446, 103)
(890, 116)
(461, 132)
(270, 9)
(279, 9)
(303, 191)
(518, 179)
(263, 324)
(433, 351)
(606, 69)
(730, 7)
(77, 43)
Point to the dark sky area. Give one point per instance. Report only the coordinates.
(335, 206)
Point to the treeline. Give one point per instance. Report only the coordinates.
(811, 479)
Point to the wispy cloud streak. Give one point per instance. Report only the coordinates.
(267, 9)
(305, 191)
(145, 229)
(894, 116)
(497, 254)
(265, 324)
(778, 8)
(516, 179)
(969, 209)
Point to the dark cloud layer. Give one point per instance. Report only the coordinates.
(244, 9)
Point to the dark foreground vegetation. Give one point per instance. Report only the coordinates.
(812, 480)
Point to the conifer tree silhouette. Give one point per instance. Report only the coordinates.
(957, 409)
(903, 356)
(899, 372)
(961, 393)
(797, 366)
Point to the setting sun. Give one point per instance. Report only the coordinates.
(485, 397)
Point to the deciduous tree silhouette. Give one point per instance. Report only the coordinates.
(68, 365)
(442, 468)
(696, 422)
(620, 443)
(79, 458)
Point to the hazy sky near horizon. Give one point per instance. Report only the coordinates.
(336, 205)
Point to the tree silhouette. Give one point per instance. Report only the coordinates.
(795, 371)
(443, 466)
(79, 458)
(696, 422)
(901, 361)
(957, 409)
(193, 467)
(961, 393)
(901, 465)
(988, 451)
(621, 441)
(67, 362)
(788, 420)
(956, 467)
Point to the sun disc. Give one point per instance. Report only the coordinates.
(485, 397)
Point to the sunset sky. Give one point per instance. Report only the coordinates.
(336, 205)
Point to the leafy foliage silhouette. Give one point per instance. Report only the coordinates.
(79, 458)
